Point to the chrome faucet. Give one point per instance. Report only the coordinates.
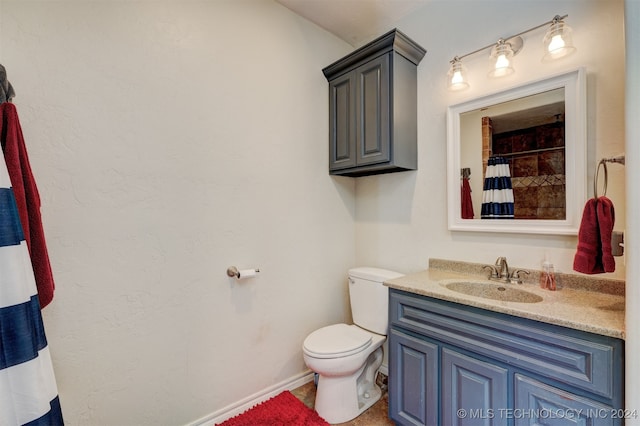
(500, 272)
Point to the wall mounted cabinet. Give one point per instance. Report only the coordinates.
(451, 364)
(373, 107)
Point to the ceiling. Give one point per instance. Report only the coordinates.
(527, 118)
(354, 21)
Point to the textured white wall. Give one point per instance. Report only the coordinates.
(171, 140)
(401, 218)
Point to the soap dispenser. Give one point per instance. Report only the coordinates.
(548, 276)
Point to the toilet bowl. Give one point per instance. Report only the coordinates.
(347, 357)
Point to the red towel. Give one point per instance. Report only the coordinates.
(27, 199)
(594, 254)
(606, 220)
(588, 259)
(467, 204)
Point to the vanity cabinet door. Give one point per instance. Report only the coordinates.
(473, 391)
(540, 404)
(413, 380)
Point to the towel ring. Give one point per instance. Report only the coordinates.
(602, 163)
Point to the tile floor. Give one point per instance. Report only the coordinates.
(377, 415)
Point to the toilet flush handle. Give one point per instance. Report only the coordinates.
(351, 280)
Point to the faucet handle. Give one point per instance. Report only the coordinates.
(494, 271)
(516, 275)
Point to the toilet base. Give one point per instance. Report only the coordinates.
(340, 399)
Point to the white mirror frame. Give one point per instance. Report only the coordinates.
(575, 89)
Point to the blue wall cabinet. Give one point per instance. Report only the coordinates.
(373, 107)
(452, 364)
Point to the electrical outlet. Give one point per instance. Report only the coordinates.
(617, 243)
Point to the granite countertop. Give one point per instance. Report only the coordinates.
(582, 303)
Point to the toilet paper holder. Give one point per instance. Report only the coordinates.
(234, 272)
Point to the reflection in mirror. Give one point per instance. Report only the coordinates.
(518, 157)
(528, 133)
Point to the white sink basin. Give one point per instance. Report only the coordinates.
(496, 291)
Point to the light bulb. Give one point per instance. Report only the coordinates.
(456, 77)
(556, 43)
(502, 62)
(502, 54)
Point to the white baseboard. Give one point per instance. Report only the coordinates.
(252, 400)
(258, 397)
(384, 369)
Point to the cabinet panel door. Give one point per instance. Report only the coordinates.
(540, 404)
(372, 109)
(342, 126)
(413, 380)
(473, 391)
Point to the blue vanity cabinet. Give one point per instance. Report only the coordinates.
(452, 364)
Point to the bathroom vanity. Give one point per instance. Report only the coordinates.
(459, 359)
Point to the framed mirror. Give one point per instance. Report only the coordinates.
(516, 159)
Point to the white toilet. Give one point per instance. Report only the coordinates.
(347, 357)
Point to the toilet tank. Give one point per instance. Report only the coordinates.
(370, 297)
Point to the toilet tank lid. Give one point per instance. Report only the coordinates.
(373, 274)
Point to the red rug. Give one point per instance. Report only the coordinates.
(281, 410)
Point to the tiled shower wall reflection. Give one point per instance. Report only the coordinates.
(537, 161)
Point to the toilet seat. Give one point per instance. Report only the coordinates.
(337, 341)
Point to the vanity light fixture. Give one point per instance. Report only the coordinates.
(457, 76)
(503, 55)
(557, 43)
